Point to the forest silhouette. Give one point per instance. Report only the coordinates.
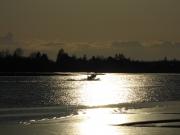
(39, 62)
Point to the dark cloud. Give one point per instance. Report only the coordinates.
(148, 51)
(8, 39)
(140, 45)
(53, 44)
(167, 44)
(128, 44)
(153, 50)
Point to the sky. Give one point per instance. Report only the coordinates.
(140, 29)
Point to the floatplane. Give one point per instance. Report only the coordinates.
(92, 77)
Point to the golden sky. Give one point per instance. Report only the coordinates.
(82, 20)
(91, 20)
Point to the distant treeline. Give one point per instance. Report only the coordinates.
(39, 62)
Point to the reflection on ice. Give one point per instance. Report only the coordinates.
(94, 129)
(95, 121)
(98, 122)
(105, 121)
(104, 116)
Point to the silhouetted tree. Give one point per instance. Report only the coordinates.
(39, 62)
(35, 55)
(4, 53)
(44, 57)
(18, 52)
(120, 57)
(62, 58)
(165, 58)
(60, 55)
(84, 57)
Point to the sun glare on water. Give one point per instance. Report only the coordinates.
(98, 93)
(103, 92)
